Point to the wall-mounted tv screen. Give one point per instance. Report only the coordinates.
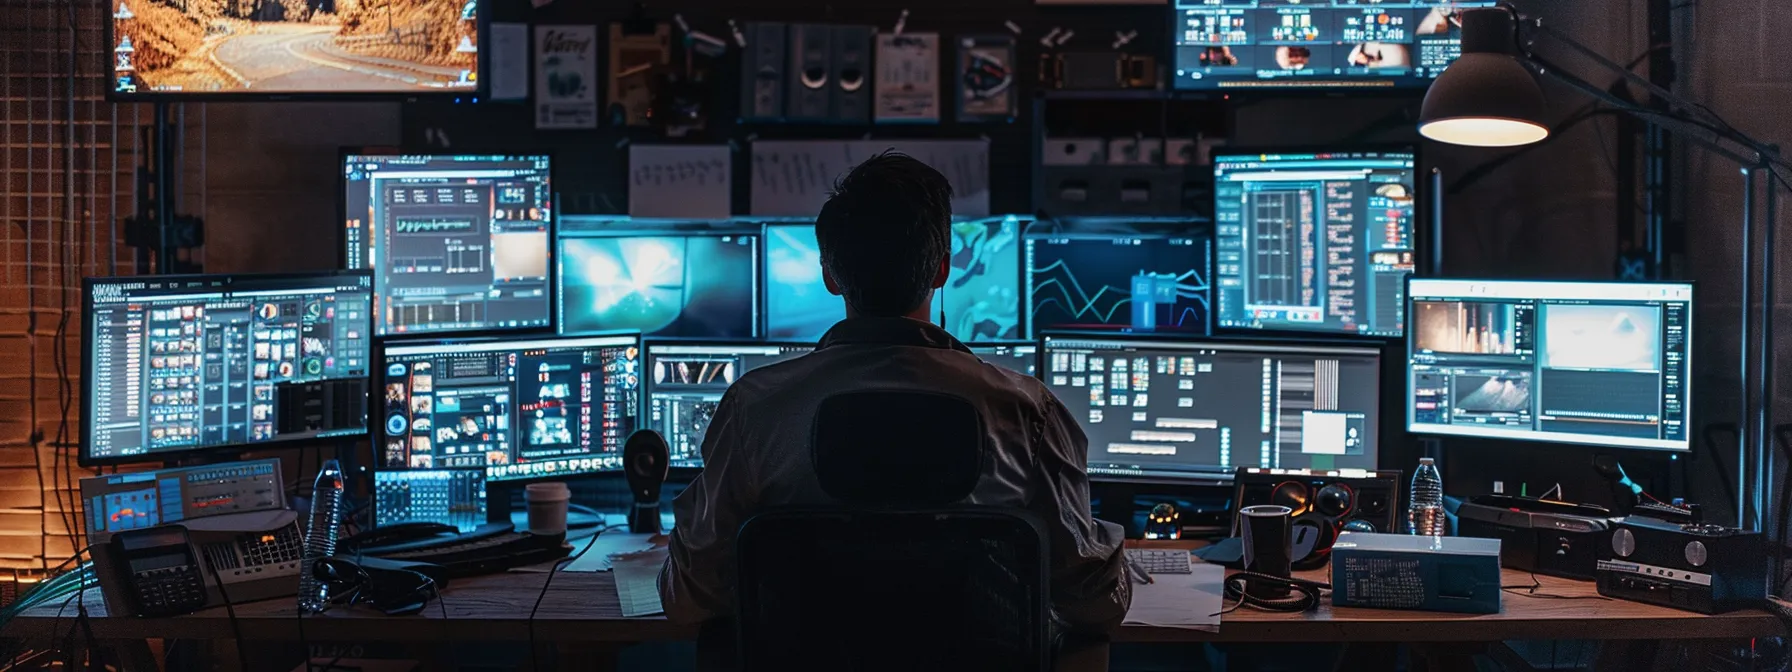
(1234, 44)
(235, 48)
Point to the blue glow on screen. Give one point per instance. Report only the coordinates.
(981, 296)
(680, 286)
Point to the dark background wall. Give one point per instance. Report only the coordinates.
(263, 175)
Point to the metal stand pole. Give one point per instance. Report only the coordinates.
(1763, 452)
(1744, 425)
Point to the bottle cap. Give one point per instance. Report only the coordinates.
(1426, 460)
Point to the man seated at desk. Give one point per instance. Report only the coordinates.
(885, 248)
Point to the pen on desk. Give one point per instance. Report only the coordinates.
(1138, 571)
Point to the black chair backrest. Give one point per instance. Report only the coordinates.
(897, 577)
(887, 448)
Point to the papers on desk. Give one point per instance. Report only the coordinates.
(1188, 601)
(599, 557)
(637, 582)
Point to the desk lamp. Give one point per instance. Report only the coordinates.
(1490, 98)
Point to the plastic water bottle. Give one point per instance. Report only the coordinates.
(320, 537)
(1425, 516)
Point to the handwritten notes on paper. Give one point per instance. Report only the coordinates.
(680, 181)
(793, 177)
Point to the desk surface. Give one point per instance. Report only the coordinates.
(584, 608)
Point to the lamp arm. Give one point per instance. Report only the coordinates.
(1682, 117)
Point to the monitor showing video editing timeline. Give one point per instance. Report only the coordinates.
(1120, 282)
(456, 242)
(686, 380)
(1233, 44)
(981, 298)
(519, 408)
(1317, 242)
(176, 364)
(1597, 363)
(665, 284)
(1197, 410)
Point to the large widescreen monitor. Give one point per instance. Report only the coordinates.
(981, 299)
(1596, 363)
(1314, 241)
(1239, 44)
(685, 382)
(286, 48)
(1184, 410)
(664, 284)
(178, 364)
(1118, 282)
(526, 408)
(457, 242)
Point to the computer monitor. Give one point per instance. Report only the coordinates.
(664, 284)
(446, 496)
(457, 242)
(1021, 357)
(685, 382)
(278, 50)
(1195, 411)
(981, 299)
(1595, 363)
(525, 408)
(1118, 282)
(1314, 241)
(173, 365)
(1333, 44)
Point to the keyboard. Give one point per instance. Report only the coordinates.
(1156, 561)
(490, 549)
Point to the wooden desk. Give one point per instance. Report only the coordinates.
(582, 608)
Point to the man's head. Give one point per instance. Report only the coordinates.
(885, 237)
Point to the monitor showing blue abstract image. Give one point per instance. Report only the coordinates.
(982, 296)
(669, 285)
(798, 306)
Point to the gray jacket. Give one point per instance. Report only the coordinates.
(756, 457)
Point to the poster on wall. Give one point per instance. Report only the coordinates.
(908, 77)
(985, 76)
(565, 77)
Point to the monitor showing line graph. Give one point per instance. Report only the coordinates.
(1120, 283)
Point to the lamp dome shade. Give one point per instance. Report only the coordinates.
(1487, 98)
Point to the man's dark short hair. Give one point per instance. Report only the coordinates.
(884, 232)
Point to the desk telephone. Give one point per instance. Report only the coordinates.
(161, 573)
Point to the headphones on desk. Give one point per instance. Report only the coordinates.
(395, 592)
(1303, 595)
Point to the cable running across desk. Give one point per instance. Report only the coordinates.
(534, 661)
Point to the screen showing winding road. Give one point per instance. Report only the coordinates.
(276, 47)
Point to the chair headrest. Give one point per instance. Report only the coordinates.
(897, 447)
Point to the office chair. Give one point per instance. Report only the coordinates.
(898, 575)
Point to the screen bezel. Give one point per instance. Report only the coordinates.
(84, 452)
(482, 86)
(1295, 87)
(1108, 228)
(1357, 347)
(553, 326)
(1590, 441)
(634, 229)
(1421, 230)
(376, 394)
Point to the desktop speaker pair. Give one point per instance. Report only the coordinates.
(1324, 505)
(807, 73)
